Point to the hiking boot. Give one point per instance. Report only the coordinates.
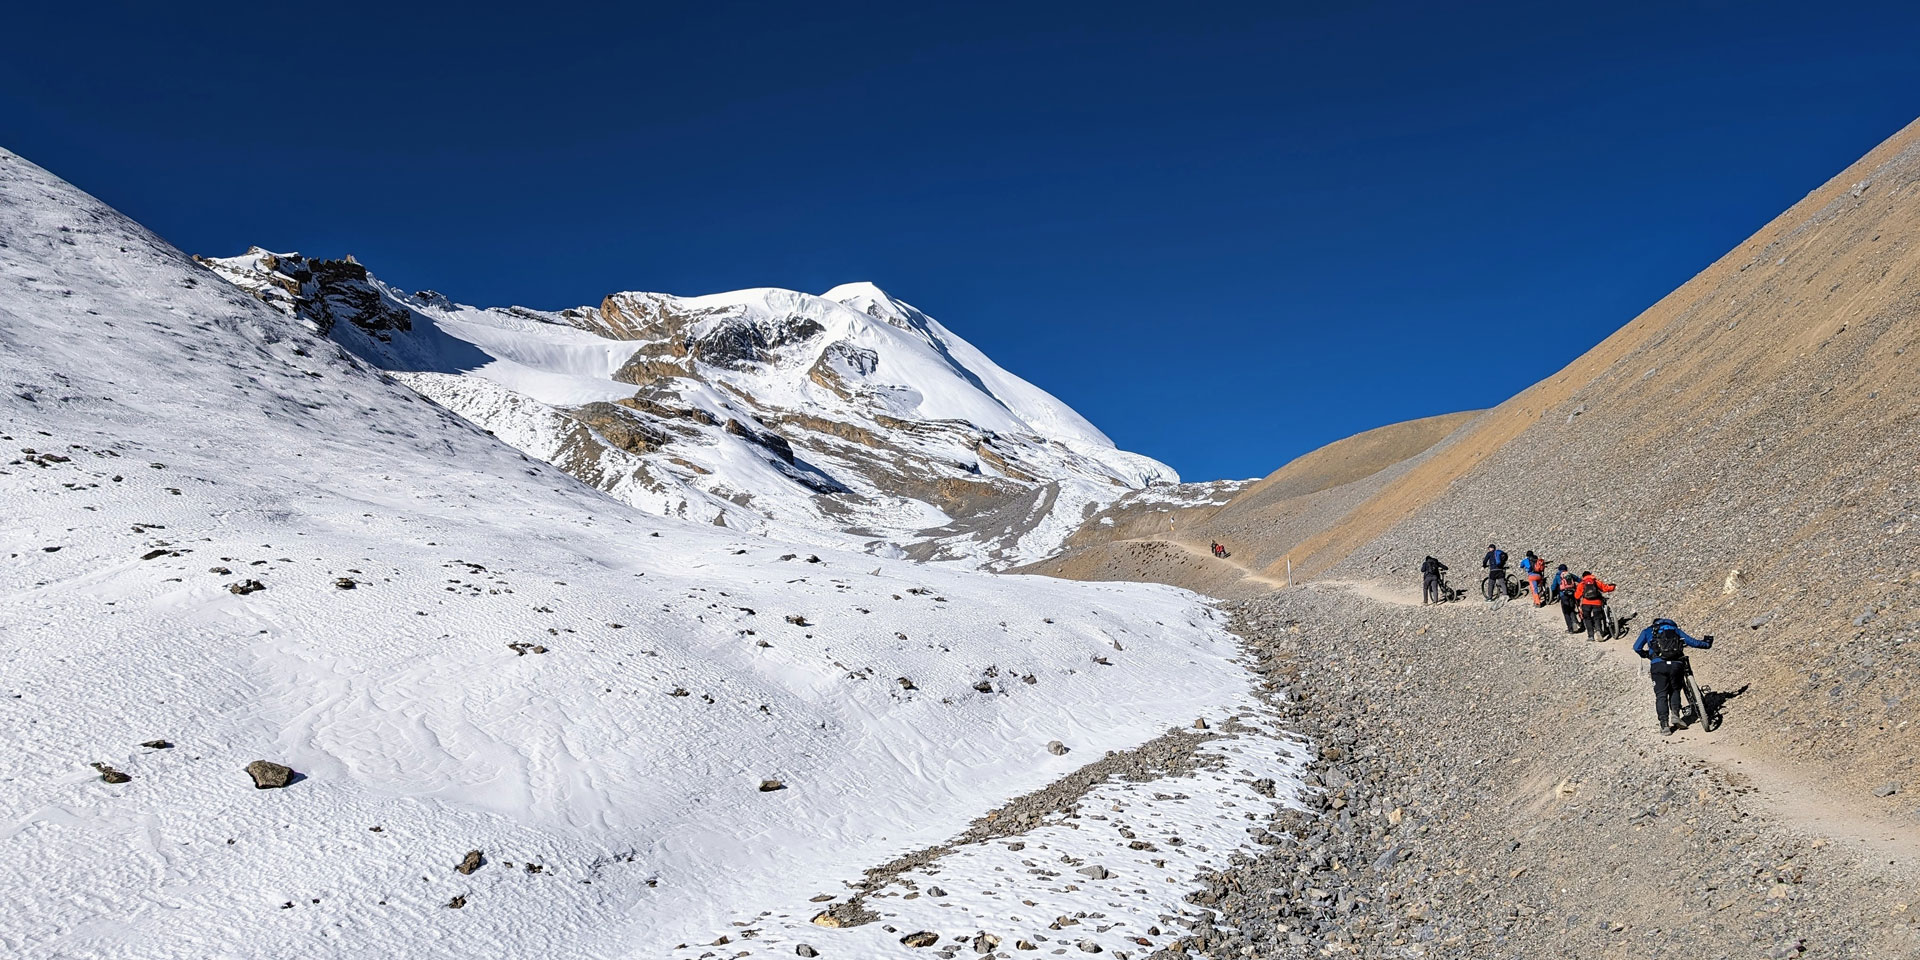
(1666, 729)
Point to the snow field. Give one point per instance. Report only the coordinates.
(180, 428)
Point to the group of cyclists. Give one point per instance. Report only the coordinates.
(1583, 605)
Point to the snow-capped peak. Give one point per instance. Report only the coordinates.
(850, 417)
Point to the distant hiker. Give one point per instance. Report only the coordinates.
(1593, 602)
(1565, 586)
(1495, 563)
(1665, 645)
(1216, 548)
(1432, 588)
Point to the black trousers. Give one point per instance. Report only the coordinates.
(1430, 591)
(1570, 609)
(1669, 679)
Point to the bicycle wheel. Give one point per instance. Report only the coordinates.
(1609, 627)
(1708, 721)
(1486, 587)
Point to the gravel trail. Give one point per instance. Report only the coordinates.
(1487, 788)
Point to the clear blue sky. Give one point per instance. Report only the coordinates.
(1227, 233)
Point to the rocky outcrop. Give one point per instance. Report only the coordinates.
(772, 442)
(644, 370)
(620, 427)
(324, 292)
(668, 411)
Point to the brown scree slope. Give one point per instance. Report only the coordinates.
(1744, 456)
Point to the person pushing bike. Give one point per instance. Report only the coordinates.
(1665, 645)
(1495, 563)
(1565, 587)
(1593, 603)
(1536, 571)
(1432, 588)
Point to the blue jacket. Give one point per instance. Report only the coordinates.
(1646, 638)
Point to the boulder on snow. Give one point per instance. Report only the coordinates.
(111, 775)
(924, 938)
(268, 775)
(471, 862)
(1057, 748)
(769, 786)
(245, 587)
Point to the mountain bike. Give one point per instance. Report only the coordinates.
(1442, 592)
(1599, 620)
(1696, 694)
(1509, 589)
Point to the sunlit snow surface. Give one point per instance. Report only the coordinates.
(201, 430)
(930, 407)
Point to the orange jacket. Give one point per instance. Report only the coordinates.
(1581, 591)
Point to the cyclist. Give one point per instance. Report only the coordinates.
(1665, 645)
(1495, 563)
(1536, 571)
(1593, 602)
(1432, 590)
(1565, 587)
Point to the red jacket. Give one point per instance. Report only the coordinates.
(1581, 590)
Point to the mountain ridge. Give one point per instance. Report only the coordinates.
(850, 417)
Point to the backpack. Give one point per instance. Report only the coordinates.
(1590, 590)
(1667, 644)
(1499, 558)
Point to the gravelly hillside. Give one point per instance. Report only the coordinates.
(1488, 791)
(1761, 419)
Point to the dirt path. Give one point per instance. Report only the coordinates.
(1778, 789)
(1245, 572)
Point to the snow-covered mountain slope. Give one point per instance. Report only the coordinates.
(229, 534)
(846, 419)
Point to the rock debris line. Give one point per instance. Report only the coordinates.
(1481, 790)
(1172, 754)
